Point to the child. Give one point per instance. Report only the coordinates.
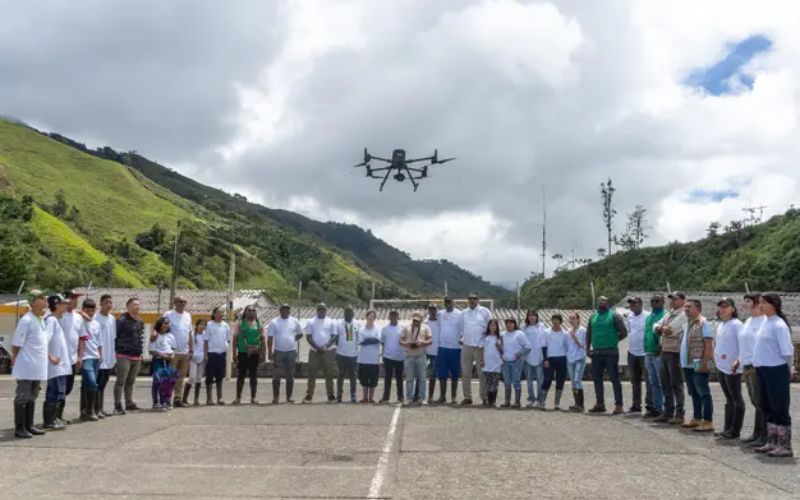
(491, 349)
(368, 358)
(576, 359)
(162, 350)
(197, 364)
(515, 347)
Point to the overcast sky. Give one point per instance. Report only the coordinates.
(690, 107)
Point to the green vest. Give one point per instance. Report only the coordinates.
(604, 335)
(650, 338)
(248, 335)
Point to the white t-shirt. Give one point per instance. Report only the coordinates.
(285, 332)
(514, 343)
(199, 347)
(747, 339)
(636, 332)
(71, 325)
(726, 345)
(163, 344)
(108, 337)
(31, 337)
(473, 324)
(537, 336)
(369, 354)
(773, 343)
(492, 359)
(180, 326)
(449, 329)
(576, 352)
(57, 346)
(347, 343)
(390, 337)
(90, 335)
(434, 347)
(217, 336)
(557, 342)
(321, 331)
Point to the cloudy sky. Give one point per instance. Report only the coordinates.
(690, 107)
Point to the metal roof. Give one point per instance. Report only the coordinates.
(197, 301)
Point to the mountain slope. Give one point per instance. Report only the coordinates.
(765, 256)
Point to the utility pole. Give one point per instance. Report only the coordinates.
(231, 276)
(373, 290)
(174, 279)
(518, 294)
(544, 230)
(299, 290)
(445, 288)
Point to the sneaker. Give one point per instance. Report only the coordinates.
(237, 402)
(704, 426)
(618, 410)
(132, 407)
(691, 424)
(466, 402)
(118, 410)
(597, 409)
(88, 417)
(530, 404)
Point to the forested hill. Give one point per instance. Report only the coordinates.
(766, 256)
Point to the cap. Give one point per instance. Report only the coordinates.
(322, 305)
(285, 306)
(634, 299)
(71, 294)
(35, 294)
(416, 316)
(179, 298)
(432, 306)
(602, 298)
(54, 300)
(678, 294)
(727, 300)
(472, 295)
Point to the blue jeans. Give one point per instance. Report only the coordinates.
(512, 374)
(89, 370)
(697, 386)
(415, 373)
(653, 365)
(534, 372)
(575, 369)
(56, 389)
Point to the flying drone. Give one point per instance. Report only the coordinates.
(399, 165)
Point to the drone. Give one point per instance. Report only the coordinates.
(400, 165)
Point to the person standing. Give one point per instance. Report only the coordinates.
(670, 329)
(576, 359)
(492, 362)
(217, 342)
(448, 357)
(248, 337)
(637, 371)
(181, 327)
(393, 357)
(90, 352)
(108, 337)
(414, 340)
(346, 340)
(432, 350)
(555, 362)
(369, 358)
(773, 357)
(473, 326)
(58, 364)
(536, 333)
(606, 328)
(129, 347)
(747, 341)
(162, 351)
(697, 355)
(652, 359)
(197, 364)
(283, 333)
(29, 364)
(320, 333)
(726, 357)
(70, 323)
(515, 346)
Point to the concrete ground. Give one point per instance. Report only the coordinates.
(322, 450)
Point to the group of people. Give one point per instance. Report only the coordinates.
(667, 349)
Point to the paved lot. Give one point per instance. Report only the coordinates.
(355, 451)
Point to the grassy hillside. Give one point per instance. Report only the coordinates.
(766, 256)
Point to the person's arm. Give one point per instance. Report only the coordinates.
(428, 337)
(298, 331)
(708, 349)
(482, 356)
(403, 342)
(619, 324)
(18, 340)
(589, 339)
(310, 337)
(235, 341)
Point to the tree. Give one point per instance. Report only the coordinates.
(607, 194)
(601, 252)
(635, 230)
(713, 229)
(59, 207)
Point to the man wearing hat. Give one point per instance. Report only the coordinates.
(29, 364)
(637, 371)
(283, 333)
(180, 326)
(473, 325)
(603, 333)
(58, 364)
(670, 330)
(320, 333)
(652, 349)
(448, 356)
(415, 339)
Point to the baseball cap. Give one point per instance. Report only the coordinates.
(602, 298)
(678, 294)
(179, 298)
(285, 306)
(321, 305)
(71, 294)
(432, 306)
(35, 294)
(54, 300)
(727, 300)
(416, 316)
(634, 299)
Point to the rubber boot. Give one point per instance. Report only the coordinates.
(772, 439)
(431, 389)
(453, 390)
(197, 394)
(185, 401)
(736, 424)
(30, 408)
(20, 430)
(558, 399)
(98, 404)
(517, 397)
(575, 398)
(49, 416)
(209, 401)
(757, 425)
(87, 414)
(60, 413)
(507, 403)
(219, 393)
(580, 401)
(783, 448)
(762, 432)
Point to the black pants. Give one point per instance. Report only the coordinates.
(603, 362)
(773, 389)
(347, 367)
(102, 378)
(248, 364)
(556, 365)
(672, 383)
(215, 367)
(731, 386)
(637, 372)
(392, 368)
(71, 379)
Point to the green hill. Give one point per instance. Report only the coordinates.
(766, 256)
(71, 215)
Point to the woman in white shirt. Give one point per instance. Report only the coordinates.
(491, 349)
(747, 341)
(217, 340)
(773, 357)
(197, 363)
(369, 351)
(726, 357)
(555, 360)
(576, 359)
(162, 350)
(515, 347)
(534, 362)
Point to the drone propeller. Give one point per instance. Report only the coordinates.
(362, 164)
(439, 162)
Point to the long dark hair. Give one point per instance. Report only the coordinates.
(160, 323)
(488, 327)
(528, 313)
(775, 301)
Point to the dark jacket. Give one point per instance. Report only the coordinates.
(130, 336)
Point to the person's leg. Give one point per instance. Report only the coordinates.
(612, 365)
(102, 380)
(89, 380)
(387, 379)
(398, 374)
(666, 388)
(701, 385)
(653, 365)
(635, 376)
(676, 378)
(431, 376)
(648, 390)
(291, 362)
(466, 373)
(507, 384)
(329, 370)
(529, 369)
(560, 368)
(341, 369)
(728, 418)
(580, 367)
(476, 360)
(352, 374)
(71, 379)
(130, 383)
(421, 376)
(121, 371)
(253, 361)
(778, 394)
(181, 363)
(32, 392)
(697, 410)
(516, 378)
(241, 374)
(314, 362)
(278, 370)
(598, 369)
(735, 387)
(759, 434)
(411, 379)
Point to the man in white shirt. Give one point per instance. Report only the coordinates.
(283, 333)
(108, 335)
(473, 325)
(90, 352)
(70, 323)
(394, 357)
(29, 364)
(59, 367)
(320, 333)
(637, 370)
(448, 356)
(180, 326)
(432, 350)
(346, 340)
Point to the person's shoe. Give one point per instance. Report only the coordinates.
(651, 414)
(441, 401)
(772, 440)
(749, 439)
(20, 430)
(254, 401)
(691, 424)
(290, 401)
(210, 402)
(338, 399)
(353, 398)
(237, 402)
(118, 410)
(597, 409)
(307, 399)
(332, 398)
(530, 404)
(783, 447)
(507, 404)
(466, 402)
(664, 418)
(132, 407)
(704, 426)
(635, 409)
(618, 410)
(729, 435)
(196, 403)
(276, 401)
(220, 402)
(179, 404)
(676, 420)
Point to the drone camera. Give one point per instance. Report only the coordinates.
(399, 177)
